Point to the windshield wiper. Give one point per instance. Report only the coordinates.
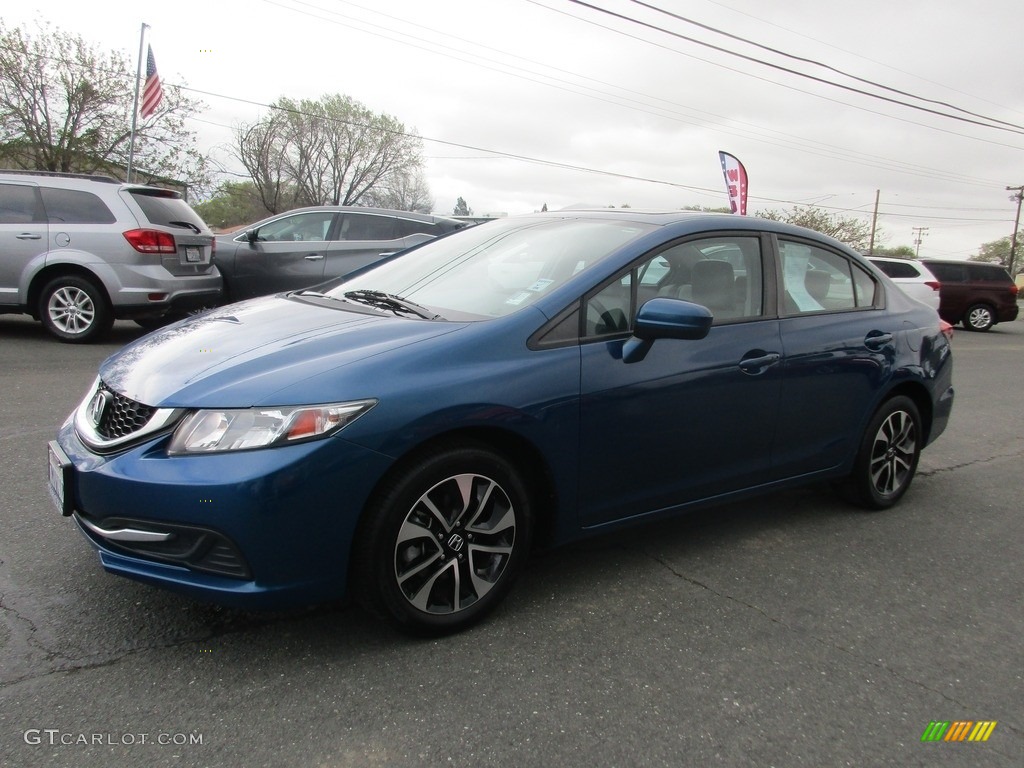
(186, 225)
(394, 303)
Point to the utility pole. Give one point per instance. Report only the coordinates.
(1016, 224)
(919, 234)
(874, 223)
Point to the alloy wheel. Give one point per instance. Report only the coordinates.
(71, 310)
(454, 544)
(893, 452)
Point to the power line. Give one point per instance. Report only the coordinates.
(743, 73)
(745, 57)
(817, 63)
(515, 156)
(832, 152)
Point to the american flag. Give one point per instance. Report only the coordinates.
(152, 92)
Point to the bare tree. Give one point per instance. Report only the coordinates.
(67, 106)
(334, 151)
(261, 148)
(847, 229)
(406, 191)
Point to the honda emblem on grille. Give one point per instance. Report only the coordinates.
(98, 406)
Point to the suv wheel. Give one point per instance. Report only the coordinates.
(74, 310)
(979, 317)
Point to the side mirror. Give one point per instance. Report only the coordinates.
(252, 235)
(663, 318)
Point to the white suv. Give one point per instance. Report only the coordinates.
(913, 277)
(77, 251)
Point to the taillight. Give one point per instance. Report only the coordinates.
(933, 284)
(151, 241)
(946, 329)
(1014, 288)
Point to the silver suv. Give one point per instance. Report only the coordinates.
(77, 251)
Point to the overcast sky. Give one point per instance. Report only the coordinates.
(640, 113)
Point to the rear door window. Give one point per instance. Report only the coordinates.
(818, 280)
(363, 226)
(947, 272)
(72, 206)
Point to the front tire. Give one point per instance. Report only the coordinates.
(980, 317)
(74, 310)
(887, 459)
(443, 540)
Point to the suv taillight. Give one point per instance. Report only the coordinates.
(933, 284)
(151, 241)
(1014, 289)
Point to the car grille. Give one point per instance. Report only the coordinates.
(107, 421)
(123, 416)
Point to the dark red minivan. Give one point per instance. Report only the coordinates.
(977, 294)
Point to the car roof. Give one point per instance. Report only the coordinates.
(365, 209)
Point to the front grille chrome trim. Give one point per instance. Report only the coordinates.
(160, 419)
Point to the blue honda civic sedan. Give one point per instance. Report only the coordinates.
(405, 434)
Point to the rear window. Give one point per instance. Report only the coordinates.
(165, 208)
(71, 206)
(897, 268)
(407, 227)
(988, 274)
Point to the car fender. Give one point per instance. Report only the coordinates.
(41, 269)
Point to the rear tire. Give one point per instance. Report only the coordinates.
(443, 540)
(74, 310)
(887, 459)
(979, 317)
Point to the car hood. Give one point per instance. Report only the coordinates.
(242, 354)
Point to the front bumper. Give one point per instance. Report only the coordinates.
(268, 528)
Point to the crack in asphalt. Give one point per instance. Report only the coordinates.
(973, 462)
(90, 661)
(821, 641)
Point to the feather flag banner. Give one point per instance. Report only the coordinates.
(735, 182)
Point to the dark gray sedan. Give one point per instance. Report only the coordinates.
(306, 246)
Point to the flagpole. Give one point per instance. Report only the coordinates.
(135, 109)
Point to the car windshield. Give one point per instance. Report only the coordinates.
(495, 268)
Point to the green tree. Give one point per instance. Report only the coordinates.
(232, 204)
(998, 252)
(461, 208)
(66, 106)
(847, 229)
(704, 209)
(334, 151)
(897, 252)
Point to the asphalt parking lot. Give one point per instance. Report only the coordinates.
(788, 631)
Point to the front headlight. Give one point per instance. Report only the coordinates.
(239, 429)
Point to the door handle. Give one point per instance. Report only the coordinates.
(29, 236)
(755, 366)
(877, 339)
(314, 257)
(386, 253)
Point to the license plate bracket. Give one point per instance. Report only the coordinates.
(60, 475)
